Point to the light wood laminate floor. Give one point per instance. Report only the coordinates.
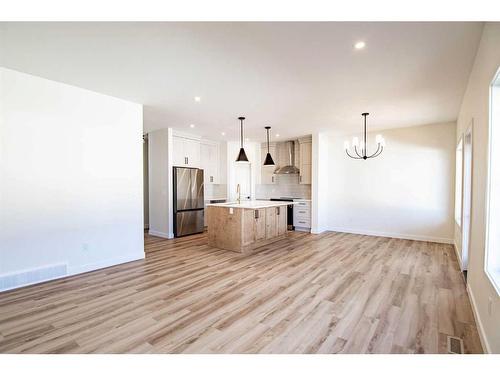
(328, 293)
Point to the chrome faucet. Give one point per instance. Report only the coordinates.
(238, 192)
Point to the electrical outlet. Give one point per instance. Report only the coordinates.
(490, 306)
(85, 247)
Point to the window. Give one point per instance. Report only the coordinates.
(492, 257)
(458, 183)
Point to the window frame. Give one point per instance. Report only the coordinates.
(459, 199)
(493, 275)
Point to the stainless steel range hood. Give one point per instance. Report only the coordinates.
(290, 167)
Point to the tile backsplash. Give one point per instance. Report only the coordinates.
(287, 185)
(214, 191)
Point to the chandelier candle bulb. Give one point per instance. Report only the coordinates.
(346, 145)
(378, 138)
(355, 142)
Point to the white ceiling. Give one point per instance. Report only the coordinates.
(296, 77)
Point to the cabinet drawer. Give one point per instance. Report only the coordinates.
(303, 204)
(303, 223)
(303, 212)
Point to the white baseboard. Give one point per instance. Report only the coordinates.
(479, 324)
(317, 230)
(105, 263)
(161, 234)
(393, 235)
(459, 258)
(71, 271)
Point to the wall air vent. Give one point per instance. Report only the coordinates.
(33, 276)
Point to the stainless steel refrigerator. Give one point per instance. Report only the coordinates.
(188, 201)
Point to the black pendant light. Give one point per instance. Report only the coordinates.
(242, 156)
(269, 160)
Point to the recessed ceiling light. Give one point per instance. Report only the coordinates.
(277, 135)
(197, 99)
(223, 133)
(360, 45)
(191, 126)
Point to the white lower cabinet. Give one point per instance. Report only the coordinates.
(302, 215)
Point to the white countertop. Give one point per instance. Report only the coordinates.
(252, 205)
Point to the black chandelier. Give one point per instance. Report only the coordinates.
(362, 153)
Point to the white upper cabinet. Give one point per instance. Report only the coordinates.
(267, 171)
(305, 160)
(210, 162)
(186, 152)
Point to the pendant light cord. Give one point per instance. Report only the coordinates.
(241, 132)
(267, 141)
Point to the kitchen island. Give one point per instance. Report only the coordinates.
(246, 226)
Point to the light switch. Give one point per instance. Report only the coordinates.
(231, 210)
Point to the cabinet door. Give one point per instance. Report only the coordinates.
(179, 155)
(260, 224)
(192, 152)
(305, 165)
(305, 174)
(305, 153)
(205, 163)
(248, 230)
(214, 164)
(271, 223)
(282, 220)
(267, 171)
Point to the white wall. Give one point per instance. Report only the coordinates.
(320, 194)
(71, 177)
(475, 105)
(160, 183)
(252, 150)
(407, 192)
(145, 181)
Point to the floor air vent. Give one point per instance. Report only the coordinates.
(455, 345)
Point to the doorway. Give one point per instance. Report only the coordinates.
(467, 198)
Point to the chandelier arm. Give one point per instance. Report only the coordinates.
(348, 154)
(381, 149)
(375, 153)
(378, 152)
(356, 150)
